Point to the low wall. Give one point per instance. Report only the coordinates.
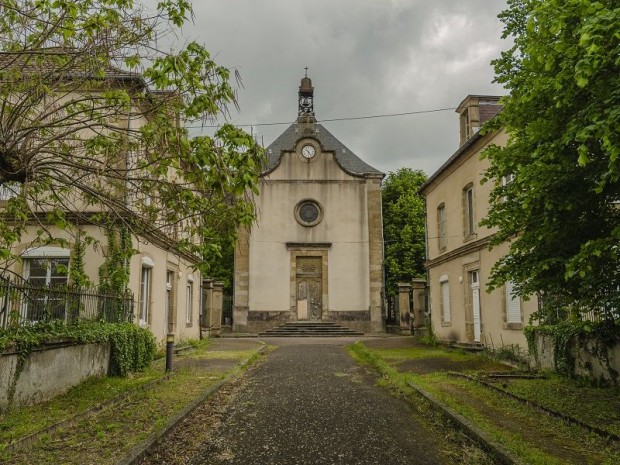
(589, 358)
(49, 371)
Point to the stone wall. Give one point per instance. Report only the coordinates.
(48, 372)
(591, 359)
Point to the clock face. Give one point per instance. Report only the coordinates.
(308, 151)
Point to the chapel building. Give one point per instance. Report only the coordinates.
(315, 252)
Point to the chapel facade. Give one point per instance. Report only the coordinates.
(315, 252)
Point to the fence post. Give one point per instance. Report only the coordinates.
(419, 305)
(403, 303)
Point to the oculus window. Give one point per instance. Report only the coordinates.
(308, 213)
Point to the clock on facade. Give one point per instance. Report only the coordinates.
(308, 151)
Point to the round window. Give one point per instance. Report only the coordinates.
(308, 213)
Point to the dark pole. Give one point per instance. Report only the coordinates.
(169, 351)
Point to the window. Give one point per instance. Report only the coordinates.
(145, 295)
(468, 210)
(513, 305)
(445, 300)
(170, 307)
(8, 190)
(189, 300)
(441, 227)
(46, 269)
(308, 212)
(508, 179)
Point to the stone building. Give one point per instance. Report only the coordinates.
(316, 250)
(458, 257)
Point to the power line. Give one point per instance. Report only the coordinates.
(349, 118)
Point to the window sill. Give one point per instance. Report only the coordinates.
(446, 324)
(513, 326)
(470, 237)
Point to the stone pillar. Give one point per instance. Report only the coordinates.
(242, 281)
(375, 254)
(419, 305)
(207, 304)
(403, 304)
(216, 312)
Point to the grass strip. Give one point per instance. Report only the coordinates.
(25, 441)
(497, 450)
(140, 450)
(567, 418)
(107, 434)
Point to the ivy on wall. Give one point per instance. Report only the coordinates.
(132, 348)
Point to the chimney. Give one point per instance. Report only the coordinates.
(474, 111)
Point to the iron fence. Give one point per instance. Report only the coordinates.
(227, 310)
(22, 303)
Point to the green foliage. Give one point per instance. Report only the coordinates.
(403, 227)
(114, 272)
(560, 213)
(77, 274)
(569, 336)
(91, 114)
(133, 348)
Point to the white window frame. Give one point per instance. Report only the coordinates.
(469, 210)
(145, 291)
(441, 227)
(42, 253)
(444, 289)
(189, 300)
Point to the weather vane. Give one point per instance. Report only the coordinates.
(306, 68)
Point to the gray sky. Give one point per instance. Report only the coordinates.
(365, 57)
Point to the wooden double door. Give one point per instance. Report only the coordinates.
(309, 288)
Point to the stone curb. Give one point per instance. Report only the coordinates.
(497, 450)
(140, 450)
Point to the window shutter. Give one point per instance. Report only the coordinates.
(513, 305)
(445, 301)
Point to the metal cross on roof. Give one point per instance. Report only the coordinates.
(306, 68)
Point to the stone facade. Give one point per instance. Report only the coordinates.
(316, 251)
(458, 257)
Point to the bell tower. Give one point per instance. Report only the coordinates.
(306, 101)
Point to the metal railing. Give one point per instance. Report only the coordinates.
(227, 310)
(22, 303)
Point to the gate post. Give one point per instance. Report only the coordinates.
(403, 305)
(207, 305)
(216, 310)
(419, 305)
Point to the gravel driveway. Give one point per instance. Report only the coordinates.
(309, 403)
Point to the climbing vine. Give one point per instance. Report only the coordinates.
(77, 274)
(114, 272)
(132, 348)
(569, 336)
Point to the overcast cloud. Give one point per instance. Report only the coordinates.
(365, 57)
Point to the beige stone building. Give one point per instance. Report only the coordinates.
(458, 257)
(165, 286)
(316, 250)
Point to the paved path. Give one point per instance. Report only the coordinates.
(309, 403)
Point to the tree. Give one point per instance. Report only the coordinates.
(94, 127)
(403, 227)
(560, 213)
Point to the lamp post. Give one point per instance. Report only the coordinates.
(169, 351)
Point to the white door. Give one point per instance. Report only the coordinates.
(475, 300)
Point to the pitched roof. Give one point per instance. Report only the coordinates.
(66, 63)
(345, 158)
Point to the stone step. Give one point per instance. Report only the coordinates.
(310, 329)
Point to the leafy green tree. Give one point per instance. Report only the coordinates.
(403, 227)
(560, 214)
(94, 125)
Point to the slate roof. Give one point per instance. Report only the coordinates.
(347, 160)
